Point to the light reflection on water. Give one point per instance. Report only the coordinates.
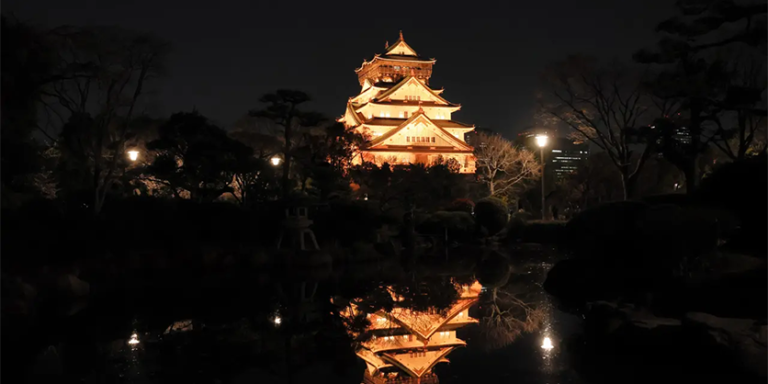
(546, 344)
(547, 334)
(538, 352)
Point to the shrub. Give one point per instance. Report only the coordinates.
(491, 214)
(458, 224)
(461, 205)
(741, 187)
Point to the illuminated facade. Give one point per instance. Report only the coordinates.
(405, 120)
(405, 345)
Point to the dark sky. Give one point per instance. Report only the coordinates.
(228, 53)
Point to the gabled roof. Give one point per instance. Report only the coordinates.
(424, 326)
(417, 365)
(389, 122)
(381, 344)
(407, 80)
(420, 116)
(400, 48)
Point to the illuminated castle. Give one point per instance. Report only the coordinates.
(406, 120)
(405, 345)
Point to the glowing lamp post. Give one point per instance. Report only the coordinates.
(541, 141)
(133, 155)
(275, 160)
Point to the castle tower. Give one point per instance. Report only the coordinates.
(405, 120)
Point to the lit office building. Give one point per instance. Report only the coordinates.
(562, 155)
(565, 157)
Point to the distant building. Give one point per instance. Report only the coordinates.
(682, 135)
(565, 157)
(562, 155)
(472, 138)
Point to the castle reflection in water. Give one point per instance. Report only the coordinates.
(404, 345)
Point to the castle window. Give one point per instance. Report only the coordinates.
(408, 139)
(433, 139)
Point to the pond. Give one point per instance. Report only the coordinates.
(458, 319)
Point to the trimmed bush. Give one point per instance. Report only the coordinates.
(491, 214)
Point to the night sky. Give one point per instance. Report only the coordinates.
(489, 55)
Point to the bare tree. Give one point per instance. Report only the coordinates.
(503, 167)
(114, 66)
(604, 106)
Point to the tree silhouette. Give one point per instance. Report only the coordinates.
(197, 157)
(324, 159)
(283, 107)
(30, 67)
(711, 68)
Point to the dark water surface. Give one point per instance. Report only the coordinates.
(287, 325)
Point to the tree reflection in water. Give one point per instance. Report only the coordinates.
(508, 307)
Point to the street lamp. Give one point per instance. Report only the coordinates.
(546, 344)
(541, 141)
(133, 154)
(275, 160)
